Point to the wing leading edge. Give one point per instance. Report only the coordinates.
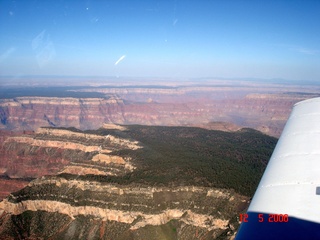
(286, 204)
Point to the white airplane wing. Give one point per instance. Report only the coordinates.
(286, 204)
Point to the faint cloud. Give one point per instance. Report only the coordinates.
(43, 48)
(46, 54)
(306, 51)
(302, 50)
(120, 59)
(38, 40)
(94, 19)
(7, 54)
(299, 49)
(174, 22)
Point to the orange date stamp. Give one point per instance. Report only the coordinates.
(244, 217)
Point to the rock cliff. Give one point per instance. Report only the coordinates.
(191, 210)
(34, 112)
(190, 107)
(130, 182)
(48, 150)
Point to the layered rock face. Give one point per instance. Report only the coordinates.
(48, 150)
(127, 182)
(122, 212)
(185, 106)
(34, 112)
(7, 184)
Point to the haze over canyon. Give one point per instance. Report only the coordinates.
(213, 104)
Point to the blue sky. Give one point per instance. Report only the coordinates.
(176, 38)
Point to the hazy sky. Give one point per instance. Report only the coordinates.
(176, 38)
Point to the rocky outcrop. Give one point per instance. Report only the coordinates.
(53, 144)
(87, 137)
(136, 207)
(129, 217)
(49, 150)
(67, 133)
(114, 126)
(84, 170)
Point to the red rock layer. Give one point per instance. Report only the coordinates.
(265, 112)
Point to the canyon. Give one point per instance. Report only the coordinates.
(128, 182)
(137, 160)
